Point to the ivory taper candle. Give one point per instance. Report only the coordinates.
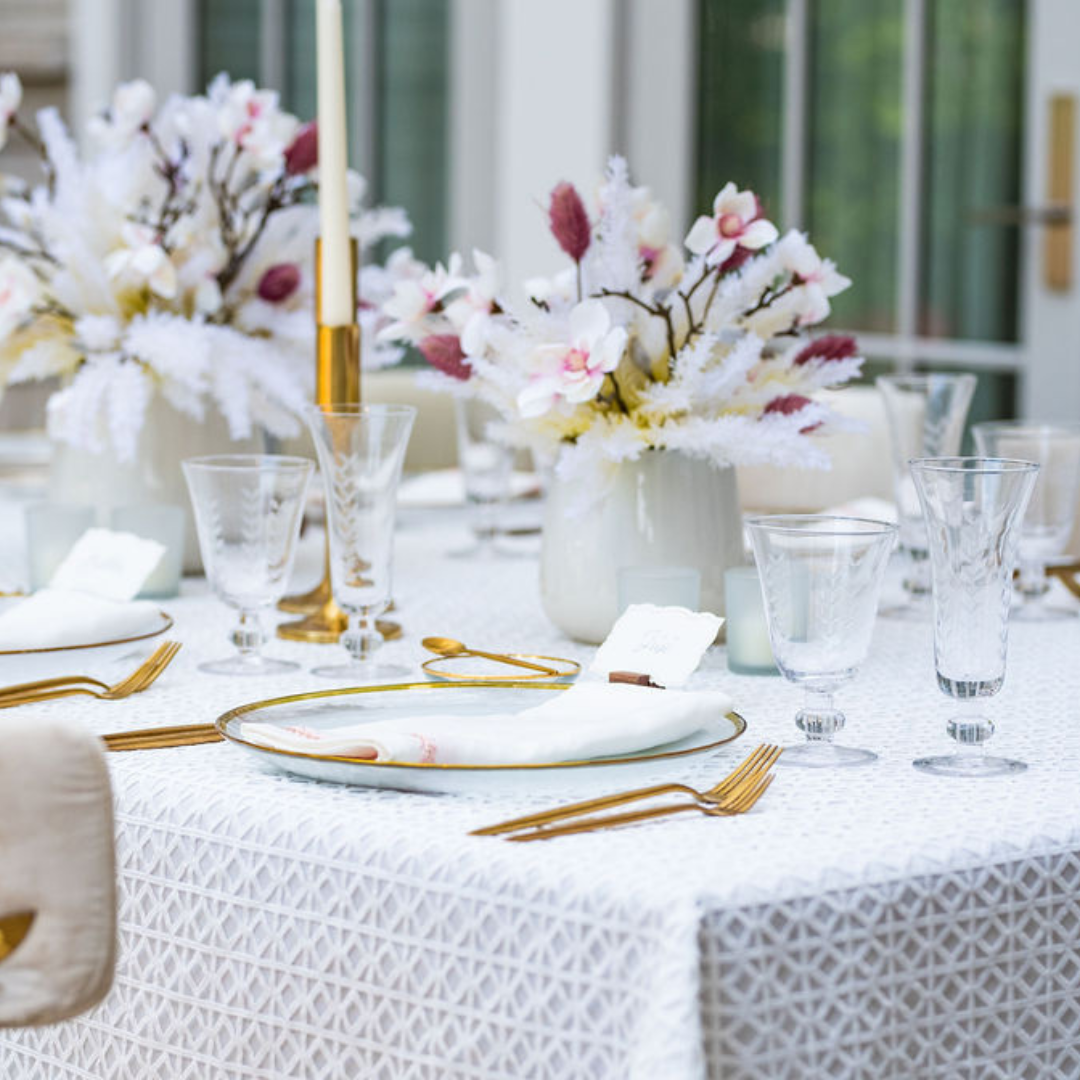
(338, 302)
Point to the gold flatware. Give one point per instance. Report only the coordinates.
(163, 738)
(13, 929)
(757, 763)
(49, 689)
(737, 804)
(444, 646)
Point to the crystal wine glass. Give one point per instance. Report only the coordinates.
(486, 469)
(361, 451)
(820, 577)
(973, 509)
(248, 509)
(926, 415)
(1052, 509)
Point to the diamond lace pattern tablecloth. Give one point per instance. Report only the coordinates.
(873, 923)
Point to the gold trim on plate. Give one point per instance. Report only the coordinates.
(429, 666)
(224, 720)
(167, 625)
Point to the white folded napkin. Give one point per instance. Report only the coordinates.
(590, 720)
(54, 618)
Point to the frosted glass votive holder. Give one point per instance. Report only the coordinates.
(51, 532)
(665, 586)
(749, 651)
(166, 524)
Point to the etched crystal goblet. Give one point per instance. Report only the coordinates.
(926, 415)
(248, 509)
(486, 465)
(361, 451)
(1051, 512)
(973, 509)
(820, 577)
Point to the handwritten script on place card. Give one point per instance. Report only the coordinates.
(665, 643)
(109, 564)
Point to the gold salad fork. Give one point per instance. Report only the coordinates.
(756, 764)
(66, 686)
(738, 803)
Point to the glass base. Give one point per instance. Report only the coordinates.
(363, 673)
(239, 665)
(490, 548)
(1041, 613)
(968, 765)
(825, 755)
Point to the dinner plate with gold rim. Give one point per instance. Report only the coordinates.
(325, 709)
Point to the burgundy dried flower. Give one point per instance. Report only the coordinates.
(829, 347)
(303, 154)
(786, 405)
(569, 221)
(279, 282)
(736, 259)
(443, 351)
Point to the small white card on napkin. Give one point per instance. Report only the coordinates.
(665, 643)
(108, 564)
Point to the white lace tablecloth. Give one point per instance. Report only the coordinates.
(875, 922)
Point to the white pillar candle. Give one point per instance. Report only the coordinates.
(338, 301)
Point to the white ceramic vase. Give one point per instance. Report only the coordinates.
(104, 482)
(665, 509)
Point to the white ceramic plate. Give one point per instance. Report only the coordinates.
(18, 666)
(335, 708)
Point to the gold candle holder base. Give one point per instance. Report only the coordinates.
(326, 624)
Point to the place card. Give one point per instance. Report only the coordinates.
(112, 565)
(664, 643)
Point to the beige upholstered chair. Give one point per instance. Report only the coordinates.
(57, 863)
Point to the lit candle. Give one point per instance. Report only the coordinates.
(338, 301)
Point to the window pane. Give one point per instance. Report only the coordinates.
(740, 98)
(853, 150)
(412, 117)
(229, 39)
(974, 111)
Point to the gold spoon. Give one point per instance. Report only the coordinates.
(446, 646)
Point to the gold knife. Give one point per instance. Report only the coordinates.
(13, 928)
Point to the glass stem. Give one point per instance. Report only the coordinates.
(970, 728)
(819, 719)
(248, 637)
(1033, 583)
(917, 572)
(362, 637)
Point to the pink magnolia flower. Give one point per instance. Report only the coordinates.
(736, 222)
(443, 351)
(575, 370)
(416, 299)
(303, 153)
(818, 277)
(10, 100)
(827, 348)
(569, 221)
(279, 282)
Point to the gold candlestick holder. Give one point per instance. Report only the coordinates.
(337, 380)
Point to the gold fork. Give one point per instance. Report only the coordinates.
(49, 689)
(739, 803)
(162, 738)
(761, 760)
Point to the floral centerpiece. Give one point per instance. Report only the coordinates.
(642, 343)
(641, 352)
(173, 257)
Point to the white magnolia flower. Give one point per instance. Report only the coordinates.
(415, 299)
(10, 100)
(142, 261)
(252, 120)
(734, 223)
(819, 279)
(575, 370)
(471, 313)
(19, 290)
(131, 109)
(662, 262)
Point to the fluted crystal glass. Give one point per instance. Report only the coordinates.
(821, 578)
(361, 451)
(486, 465)
(1052, 510)
(973, 509)
(248, 509)
(926, 415)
